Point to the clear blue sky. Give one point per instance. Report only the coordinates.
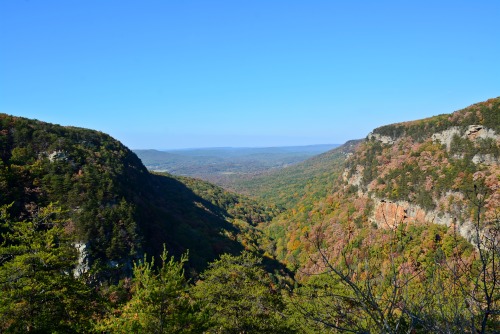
(173, 74)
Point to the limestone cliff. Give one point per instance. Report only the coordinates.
(430, 170)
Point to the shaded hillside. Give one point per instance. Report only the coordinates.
(226, 165)
(306, 181)
(117, 210)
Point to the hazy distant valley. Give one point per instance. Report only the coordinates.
(226, 165)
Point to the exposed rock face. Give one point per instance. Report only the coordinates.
(429, 169)
(445, 137)
(478, 131)
(473, 132)
(391, 213)
(383, 139)
(487, 159)
(354, 180)
(58, 155)
(388, 214)
(449, 206)
(83, 262)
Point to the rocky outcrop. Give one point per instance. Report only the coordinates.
(82, 266)
(445, 137)
(389, 214)
(58, 156)
(383, 139)
(356, 178)
(486, 159)
(473, 132)
(421, 168)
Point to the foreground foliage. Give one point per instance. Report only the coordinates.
(38, 289)
(406, 278)
(240, 297)
(160, 302)
(416, 282)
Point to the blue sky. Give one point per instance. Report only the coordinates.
(175, 74)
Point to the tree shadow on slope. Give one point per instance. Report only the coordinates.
(174, 215)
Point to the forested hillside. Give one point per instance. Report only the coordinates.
(307, 181)
(405, 207)
(424, 169)
(396, 233)
(115, 208)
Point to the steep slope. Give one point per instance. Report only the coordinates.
(414, 173)
(389, 243)
(431, 169)
(115, 208)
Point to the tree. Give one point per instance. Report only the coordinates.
(160, 302)
(38, 291)
(418, 279)
(353, 293)
(480, 282)
(240, 297)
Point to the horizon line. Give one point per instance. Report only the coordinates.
(231, 147)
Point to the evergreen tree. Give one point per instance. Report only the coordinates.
(240, 297)
(160, 302)
(38, 291)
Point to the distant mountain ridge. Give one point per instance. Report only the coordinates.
(226, 165)
(237, 151)
(310, 179)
